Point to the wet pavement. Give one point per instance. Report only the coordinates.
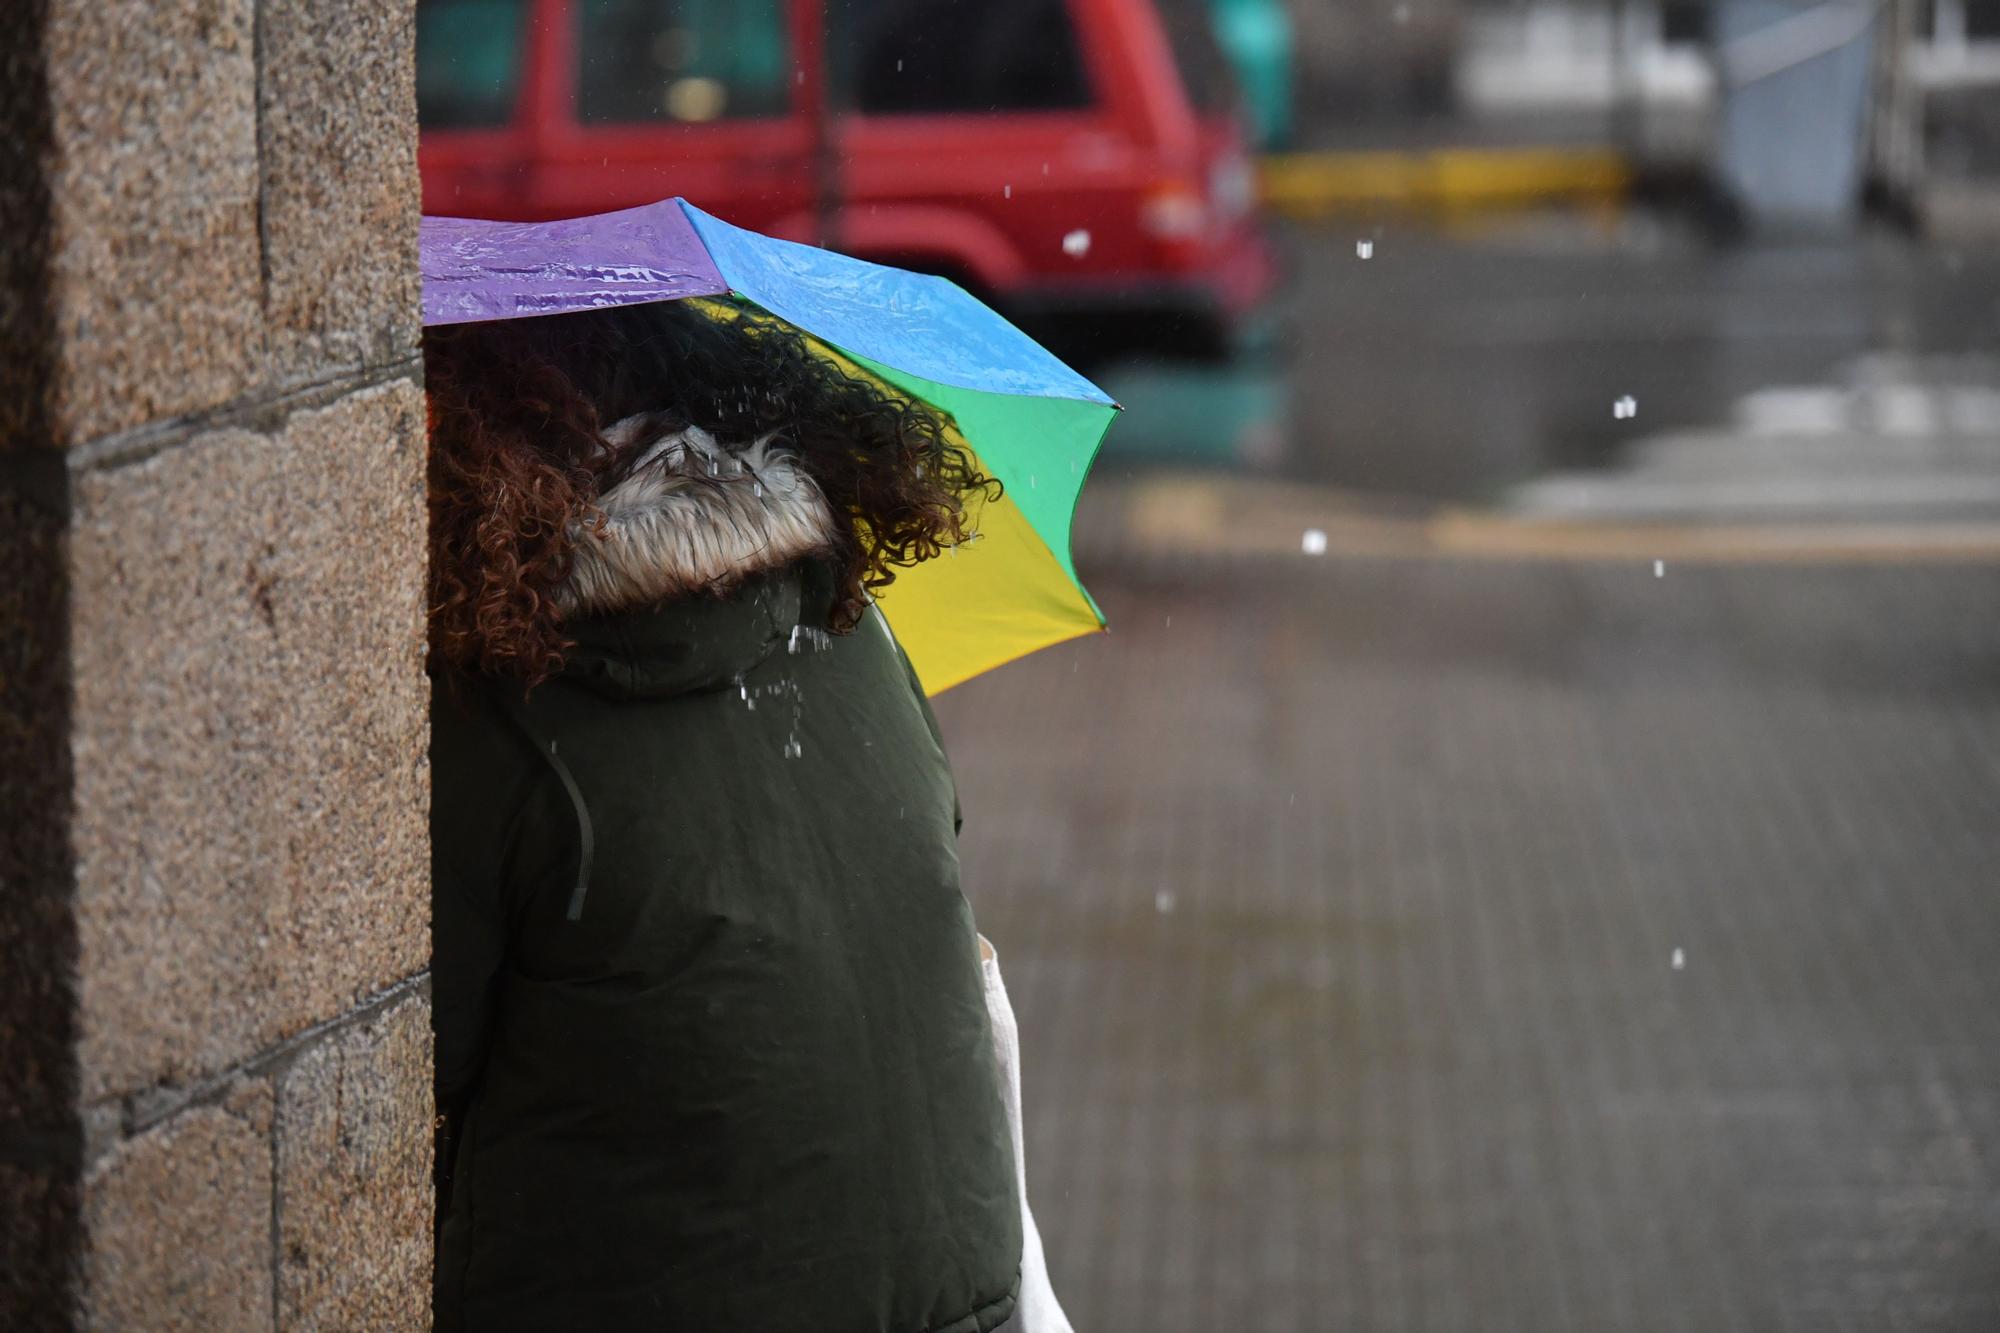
(1504, 932)
(1340, 902)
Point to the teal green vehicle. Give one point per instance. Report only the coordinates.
(1256, 35)
(1251, 42)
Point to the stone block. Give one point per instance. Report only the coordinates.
(25, 352)
(156, 278)
(179, 1223)
(354, 1174)
(337, 94)
(38, 1216)
(37, 934)
(250, 737)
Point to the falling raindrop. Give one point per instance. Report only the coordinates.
(1006, 192)
(1163, 902)
(1659, 569)
(1365, 249)
(1625, 408)
(792, 748)
(1077, 243)
(899, 67)
(1313, 542)
(1170, 622)
(1679, 960)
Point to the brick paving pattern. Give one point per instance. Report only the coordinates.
(1340, 902)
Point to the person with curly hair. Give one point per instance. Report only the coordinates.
(713, 1047)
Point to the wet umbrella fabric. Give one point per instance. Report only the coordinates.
(1029, 419)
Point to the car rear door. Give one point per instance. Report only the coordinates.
(973, 137)
(474, 59)
(700, 98)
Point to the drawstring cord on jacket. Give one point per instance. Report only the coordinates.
(583, 831)
(517, 713)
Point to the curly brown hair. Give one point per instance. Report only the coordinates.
(518, 458)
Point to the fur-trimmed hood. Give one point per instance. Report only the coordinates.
(693, 516)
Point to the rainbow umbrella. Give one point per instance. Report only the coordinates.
(1030, 420)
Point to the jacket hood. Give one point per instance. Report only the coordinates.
(693, 516)
(702, 568)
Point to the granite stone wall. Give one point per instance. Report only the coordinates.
(214, 1020)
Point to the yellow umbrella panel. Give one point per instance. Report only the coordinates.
(1013, 588)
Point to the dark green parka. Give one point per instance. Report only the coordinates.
(712, 1047)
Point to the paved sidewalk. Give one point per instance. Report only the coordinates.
(1341, 901)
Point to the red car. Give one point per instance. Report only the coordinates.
(1078, 163)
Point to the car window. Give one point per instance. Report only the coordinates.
(685, 61)
(910, 57)
(468, 62)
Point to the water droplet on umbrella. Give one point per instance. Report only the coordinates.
(1364, 249)
(1077, 243)
(1313, 542)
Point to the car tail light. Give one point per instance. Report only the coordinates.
(1174, 211)
(1233, 185)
